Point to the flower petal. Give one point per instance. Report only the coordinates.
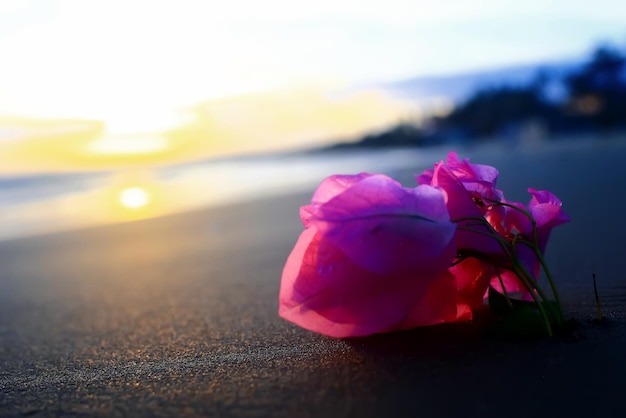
(329, 188)
(331, 295)
(461, 205)
(400, 229)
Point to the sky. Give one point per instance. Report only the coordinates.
(144, 67)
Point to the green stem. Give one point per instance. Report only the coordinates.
(480, 219)
(503, 243)
(492, 232)
(516, 266)
(598, 306)
(504, 292)
(524, 212)
(529, 280)
(544, 265)
(524, 277)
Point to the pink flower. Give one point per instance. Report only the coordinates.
(377, 257)
(373, 258)
(545, 208)
(479, 180)
(470, 190)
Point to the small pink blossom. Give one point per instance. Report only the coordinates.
(479, 180)
(546, 209)
(470, 190)
(373, 258)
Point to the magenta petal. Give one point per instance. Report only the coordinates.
(458, 200)
(403, 229)
(461, 205)
(289, 295)
(324, 291)
(471, 281)
(480, 180)
(512, 284)
(465, 171)
(329, 188)
(374, 258)
(437, 306)
(546, 208)
(515, 221)
(426, 177)
(306, 213)
(392, 244)
(332, 186)
(381, 195)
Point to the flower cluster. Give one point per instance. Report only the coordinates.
(379, 257)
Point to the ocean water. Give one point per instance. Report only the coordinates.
(44, 203)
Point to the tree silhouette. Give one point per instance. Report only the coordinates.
(590, 99)
(490, 111)
(598, 90)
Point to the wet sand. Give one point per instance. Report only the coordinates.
(176, 316)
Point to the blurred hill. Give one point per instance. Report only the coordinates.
(518, 104)
(459, 87)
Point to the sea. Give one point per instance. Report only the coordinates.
(44, 203)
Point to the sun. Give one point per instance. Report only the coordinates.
(134, 197)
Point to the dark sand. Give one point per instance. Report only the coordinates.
(177, 317)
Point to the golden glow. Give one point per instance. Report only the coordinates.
(291, 118)
(134, 197)
(128, 145)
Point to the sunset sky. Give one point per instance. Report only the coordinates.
(164, 81)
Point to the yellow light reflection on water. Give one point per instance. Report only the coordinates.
(134, 197)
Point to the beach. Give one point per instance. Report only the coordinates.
(177, 316)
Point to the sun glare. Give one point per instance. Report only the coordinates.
(134, 197)
(128, 145)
